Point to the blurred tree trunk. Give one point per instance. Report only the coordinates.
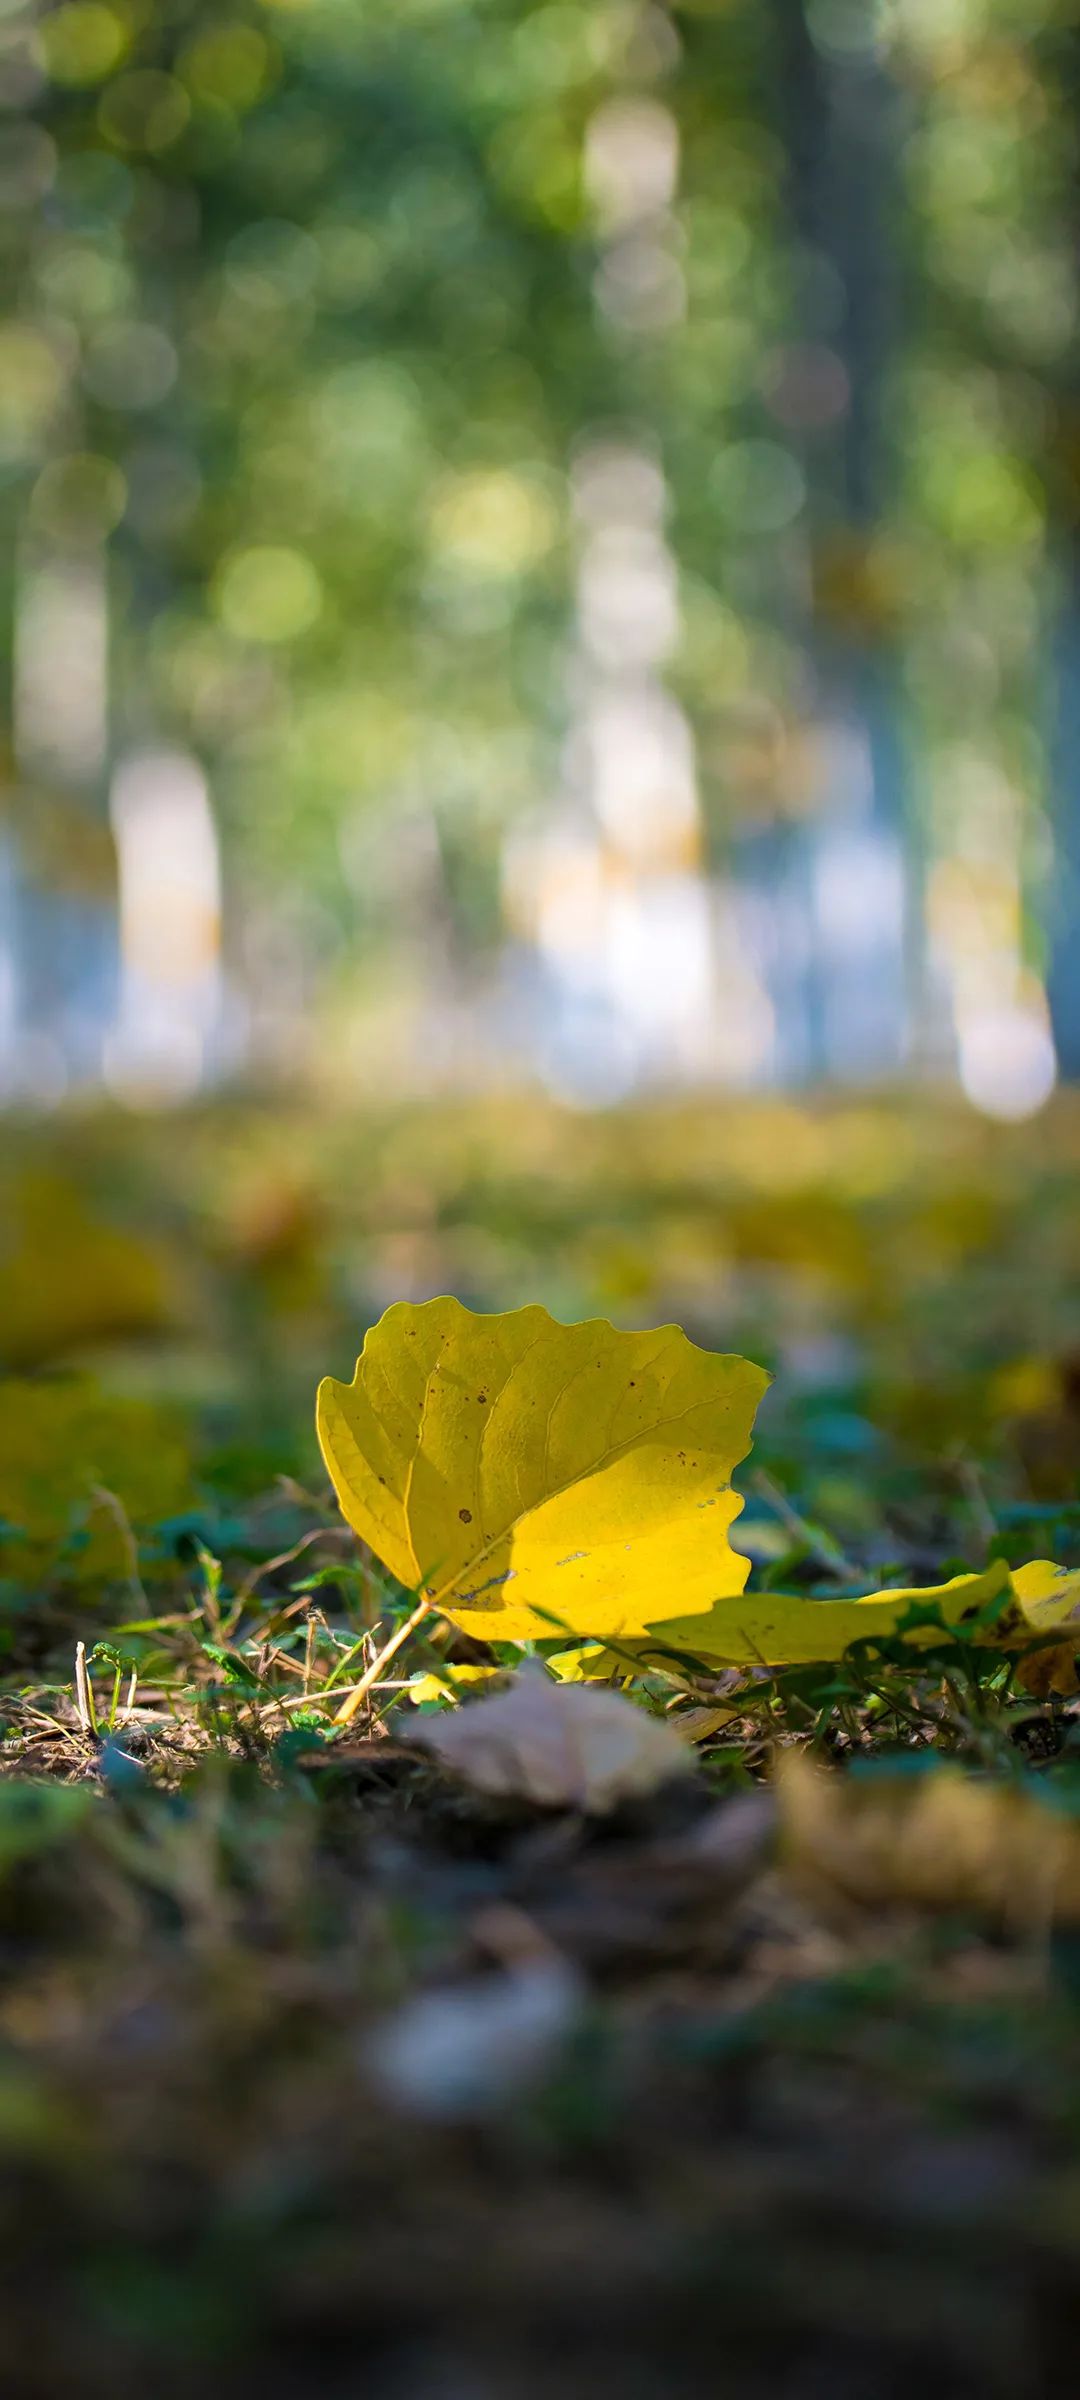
(62, 911)
(1062, 926)
(857, 860)
(1063, 911)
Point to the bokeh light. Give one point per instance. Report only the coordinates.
(634, 445)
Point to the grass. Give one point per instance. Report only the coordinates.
(753, 2100)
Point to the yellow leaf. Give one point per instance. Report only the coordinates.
(1050, 1599)
(443, 1685)
(782, 1629)
(591, 1662)
(1049, 1596)
(562, 1745)
(525, 1476)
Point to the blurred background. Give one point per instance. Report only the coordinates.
(543, 606)
(541, 547)
(539, 759)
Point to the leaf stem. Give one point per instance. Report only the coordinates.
(382, 1659)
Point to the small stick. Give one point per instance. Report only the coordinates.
(84, 1693)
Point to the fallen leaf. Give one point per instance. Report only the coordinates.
(784, 1629)
(561, 1745)
(699, 1724)
(1049, 1596)
(590, 1662)
(1048, 1670)
(940, 1838)
(441, 1686)
(526, 1477)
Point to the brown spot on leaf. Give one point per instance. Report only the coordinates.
(466, 1515)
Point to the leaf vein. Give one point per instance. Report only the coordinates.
(557, 1491)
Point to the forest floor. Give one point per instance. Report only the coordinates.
(322, 2072)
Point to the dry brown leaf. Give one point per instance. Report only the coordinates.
(699, 1724)
(1051, 1670)
(562, 1745)
(939, 1840)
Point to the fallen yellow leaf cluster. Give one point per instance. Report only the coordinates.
(526, 1478)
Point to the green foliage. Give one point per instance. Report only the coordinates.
(313, 310)
(81, 1475)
